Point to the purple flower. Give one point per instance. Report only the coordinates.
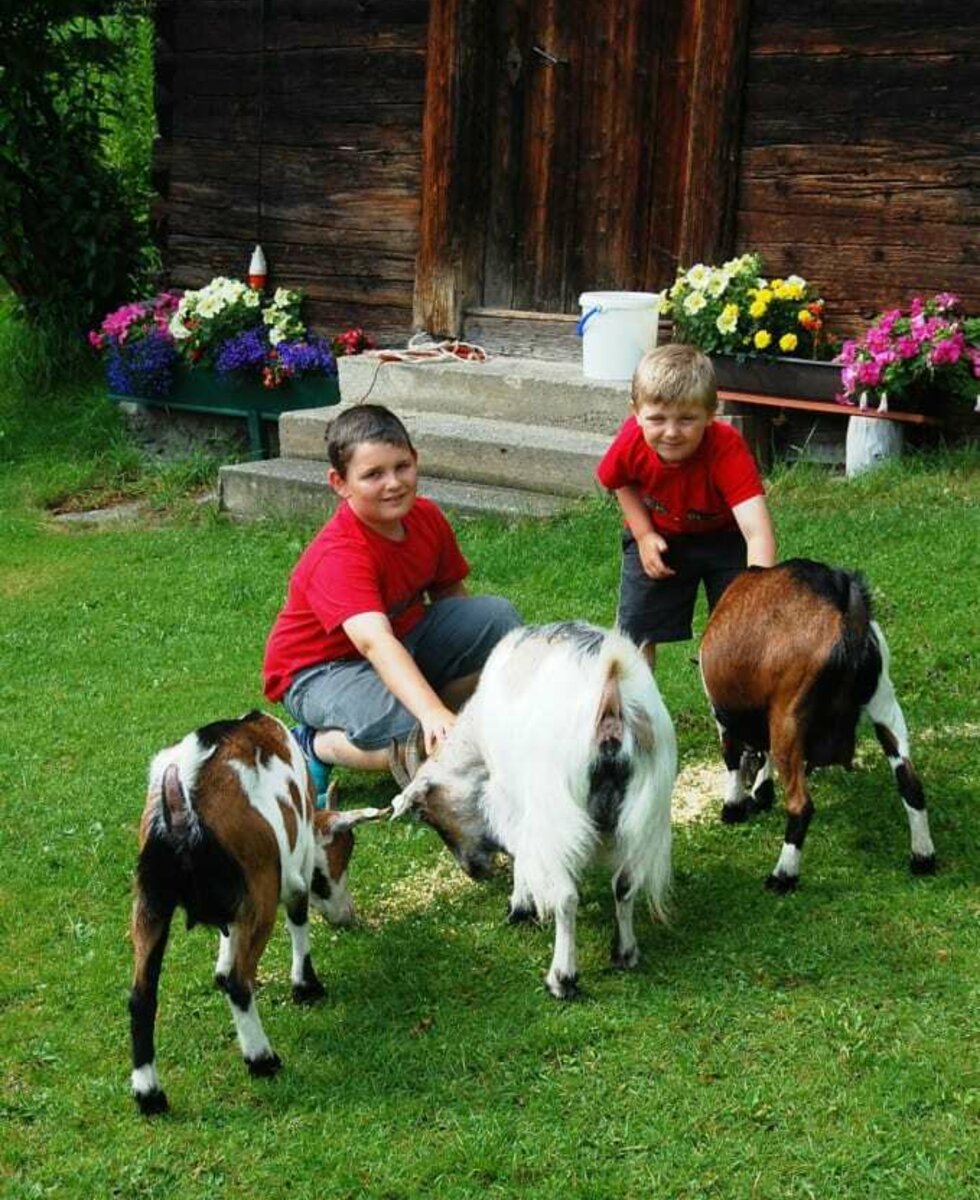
(245, 351)
(310, 355)
(144, 367)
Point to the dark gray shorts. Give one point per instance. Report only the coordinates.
(453, 639)
(661, 610)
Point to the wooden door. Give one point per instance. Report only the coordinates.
(571, 145)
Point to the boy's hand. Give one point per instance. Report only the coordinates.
(436, 724)
(652, 548)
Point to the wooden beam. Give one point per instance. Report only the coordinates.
(453, 154)
(720, 55)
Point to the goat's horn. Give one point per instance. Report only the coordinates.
(395, 766)
(341, 820)
(414, 751)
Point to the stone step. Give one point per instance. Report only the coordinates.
(539, 458)
(298, 487)
(524, 390)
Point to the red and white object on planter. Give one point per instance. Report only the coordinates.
(257, 270)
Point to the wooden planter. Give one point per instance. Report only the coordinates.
(203, 391)
(799, 377)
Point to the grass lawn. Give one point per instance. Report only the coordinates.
(823, 1044)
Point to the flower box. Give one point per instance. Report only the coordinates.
(202, 390)
(799, 378)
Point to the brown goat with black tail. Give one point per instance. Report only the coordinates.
(230, 830)
(790, 659)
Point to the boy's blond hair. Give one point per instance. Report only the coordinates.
(675, 375)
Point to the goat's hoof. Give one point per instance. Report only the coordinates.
(264, 1067)
(151, 1104)
(308, 992)
(781, 884)
(764, 796)
(523, 914)
(625, 960)
(735, 814)
(563, 987)
(922, 864)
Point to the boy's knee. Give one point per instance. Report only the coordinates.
(500, 614)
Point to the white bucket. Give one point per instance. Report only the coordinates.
(617, 329)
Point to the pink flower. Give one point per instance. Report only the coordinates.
(906, 347)
(949, 350)
(869, 373)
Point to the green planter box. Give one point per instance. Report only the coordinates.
(800, 378)
(203, 391)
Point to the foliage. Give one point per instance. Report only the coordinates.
(917, 355)
(73, 224)
(734, 309)
(225, 326)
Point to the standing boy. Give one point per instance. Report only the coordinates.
(691, 496)
(377, 631)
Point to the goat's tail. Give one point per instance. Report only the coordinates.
(173, 778)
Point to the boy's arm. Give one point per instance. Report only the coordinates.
(372, 635)
(649, 543)
(752, 518)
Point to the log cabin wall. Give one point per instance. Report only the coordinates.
(860, 149)
(296, 123)
(299, 123)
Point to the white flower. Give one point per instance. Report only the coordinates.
(694, 303)
(177, 327)
(699, 276)
(210, 306)
(251, 299)
(718, 283)
(276, 335)
(282, 296)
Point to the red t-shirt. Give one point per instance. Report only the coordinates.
(349, 569)
(696, 495)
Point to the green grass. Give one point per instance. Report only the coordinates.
(823, 1044)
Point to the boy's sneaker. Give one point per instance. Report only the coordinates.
(319, 771)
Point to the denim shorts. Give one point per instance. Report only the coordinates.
(453, 639)
(662, 610)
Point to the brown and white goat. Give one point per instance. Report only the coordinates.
(565, 746)
(790, 659)
(230, 830)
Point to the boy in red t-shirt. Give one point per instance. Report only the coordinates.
(690, 491)
(377, 631)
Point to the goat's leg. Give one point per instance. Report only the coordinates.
(625, 951)
(893, 736)
(149, 932)
(759, 781)
(521, 908)
(250, 938)
(562, 977)
(787, 750)
(306, 986)
(736, 806)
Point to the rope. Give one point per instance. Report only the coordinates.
(421, 349)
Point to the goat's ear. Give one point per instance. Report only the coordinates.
(333, 821)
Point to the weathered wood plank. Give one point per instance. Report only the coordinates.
(873, 27)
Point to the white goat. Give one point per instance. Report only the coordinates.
(228, 833)
(565, 743)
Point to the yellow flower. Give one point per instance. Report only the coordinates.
(758, 308)
(762, 339)
(788, 342)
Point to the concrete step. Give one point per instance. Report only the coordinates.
(524, 390)
(539, 458)
(298, 487)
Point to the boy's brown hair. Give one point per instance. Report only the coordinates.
(363, 423)
(675, 375)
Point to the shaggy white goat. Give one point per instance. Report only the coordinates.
(565, 744)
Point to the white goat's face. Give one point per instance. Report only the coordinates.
(450, 804)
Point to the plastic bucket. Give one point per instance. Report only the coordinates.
(617, 329)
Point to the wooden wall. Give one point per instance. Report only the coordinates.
(858, 167)
(860, 159)
(312, 148)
